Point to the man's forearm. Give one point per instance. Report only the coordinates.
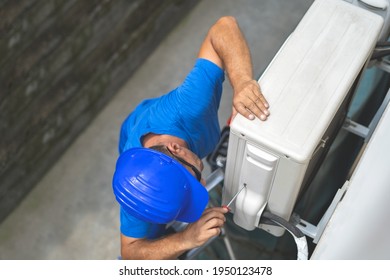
(171, 246)
(226, 46)
(231, 46)
(168, 247)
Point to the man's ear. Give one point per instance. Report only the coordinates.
(174, 147)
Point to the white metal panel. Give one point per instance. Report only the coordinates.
(305, 84)
(360, 225)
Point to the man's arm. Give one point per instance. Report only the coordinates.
(172, 246)
(226, 46)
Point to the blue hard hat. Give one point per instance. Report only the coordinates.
(156, 188)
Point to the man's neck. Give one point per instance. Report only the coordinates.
(152, 139)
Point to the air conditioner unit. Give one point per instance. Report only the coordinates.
(308, 86)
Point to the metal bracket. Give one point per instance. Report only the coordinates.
(356, 128)
(316, 232)
(363, 131)
(383, 64)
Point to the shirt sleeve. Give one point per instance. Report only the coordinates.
(136, 228)
(133, 227)
(200, 93)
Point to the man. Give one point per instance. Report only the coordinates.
(153, 189)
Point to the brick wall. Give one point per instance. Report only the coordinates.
(60, 62)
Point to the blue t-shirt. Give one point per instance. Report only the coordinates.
(189, 112)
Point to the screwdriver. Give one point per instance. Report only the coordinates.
(234, 197)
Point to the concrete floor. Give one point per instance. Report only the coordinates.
(71, 213)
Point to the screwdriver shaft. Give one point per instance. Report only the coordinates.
(235, 196)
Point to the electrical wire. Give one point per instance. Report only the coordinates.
(299, 237)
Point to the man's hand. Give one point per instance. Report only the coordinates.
(249, 101)
(208, 226)
(173, 245)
